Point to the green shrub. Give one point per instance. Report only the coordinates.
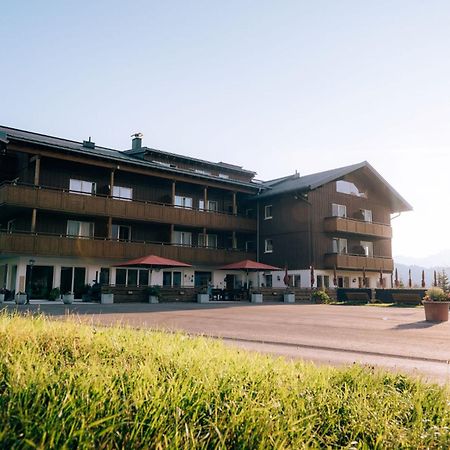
(320, 296)
(66, 385)
(436, 294)
(54, 294)
(154, 291)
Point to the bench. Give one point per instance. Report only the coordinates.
(357, 296)
(406, 297)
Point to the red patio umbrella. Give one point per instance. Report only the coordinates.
(152, 262)
(248, 265)
(423, 278)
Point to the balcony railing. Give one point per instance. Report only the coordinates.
(59, 245)
(345, 225)
(358, 262)
(98, 205)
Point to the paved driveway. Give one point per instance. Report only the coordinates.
(397, 338)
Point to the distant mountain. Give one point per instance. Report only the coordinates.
(441, 259)
(416, 273)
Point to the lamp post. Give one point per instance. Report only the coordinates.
(31, 264)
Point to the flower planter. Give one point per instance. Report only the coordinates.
(436, 311)
(68, 299)
(153, 299)
(202, 298)
(289, 298)
(2, 298)
(256, 298)
(107, 299)
(21, 299)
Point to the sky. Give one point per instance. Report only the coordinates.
(274, 86)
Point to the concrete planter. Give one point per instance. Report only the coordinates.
(256, 298)
(436, 311)
(21, 299)
(202, 298)
(68, 299)
(153, 299)
(289, 298)
(2, 298)
(107, 299)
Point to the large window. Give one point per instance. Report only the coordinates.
(82, 187)
(132, 277)
(122, 193)
(172, 279)
(182, 238)
(207, 240)
(183, 202)
(346, 187)
(368, 248)
(367, 215)
(121, 232)
(338, 210)
(79, 229)
(268, 246)
(268, 212)
(339, 245)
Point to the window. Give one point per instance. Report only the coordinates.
(165, 164)
(207, 240)
(297, 281)
(121, 277)
(183, 202)
(212, 205)
(250, 246)
(82, 187)
(11, 226)
(338, 210)
(172, 279)
(182, 238)
(132, 277)
(79, 229)
(224, 176)
(121, 232)
(368, 248)
(367, 215)
(268, 280)
(319, 281)
(339, 245)
(202, 172)
(122, 193)
(143, 277)
(346, 187)
(268, 212)
(268, 246)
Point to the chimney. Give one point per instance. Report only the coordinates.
(136, 143)
(89, 143)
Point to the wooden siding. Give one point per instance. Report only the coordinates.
(47, 245)
(63, 201)
(356, 262)
(343, 225)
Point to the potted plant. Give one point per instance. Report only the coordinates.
(256, 297)
(203, 296)
(68, 298)
(153, 293)
(320, 296)
(54, 294)
(106, 297)
(436, 303)
(21, 298)
(289, 297)
(85, 293)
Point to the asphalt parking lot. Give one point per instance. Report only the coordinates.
(396, 338)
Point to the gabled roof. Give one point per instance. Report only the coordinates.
(296, 183)
(105, 153)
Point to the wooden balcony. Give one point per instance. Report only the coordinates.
(96, 205)
(358, 262)
(357, 227)
(53, 245)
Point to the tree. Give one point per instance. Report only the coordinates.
(443, 281)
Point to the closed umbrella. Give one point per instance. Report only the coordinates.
(409, 279)
(334, 276)
(364, 276)
(381, 278)
(286, 277)
(423, 278)
(313, 279)
(435, 279)
(397, 284)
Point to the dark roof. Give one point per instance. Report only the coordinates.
(220, 165)
(109, 154)
(296, 183)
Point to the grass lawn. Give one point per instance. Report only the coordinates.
(66, 385)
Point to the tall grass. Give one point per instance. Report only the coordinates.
(66, 385)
